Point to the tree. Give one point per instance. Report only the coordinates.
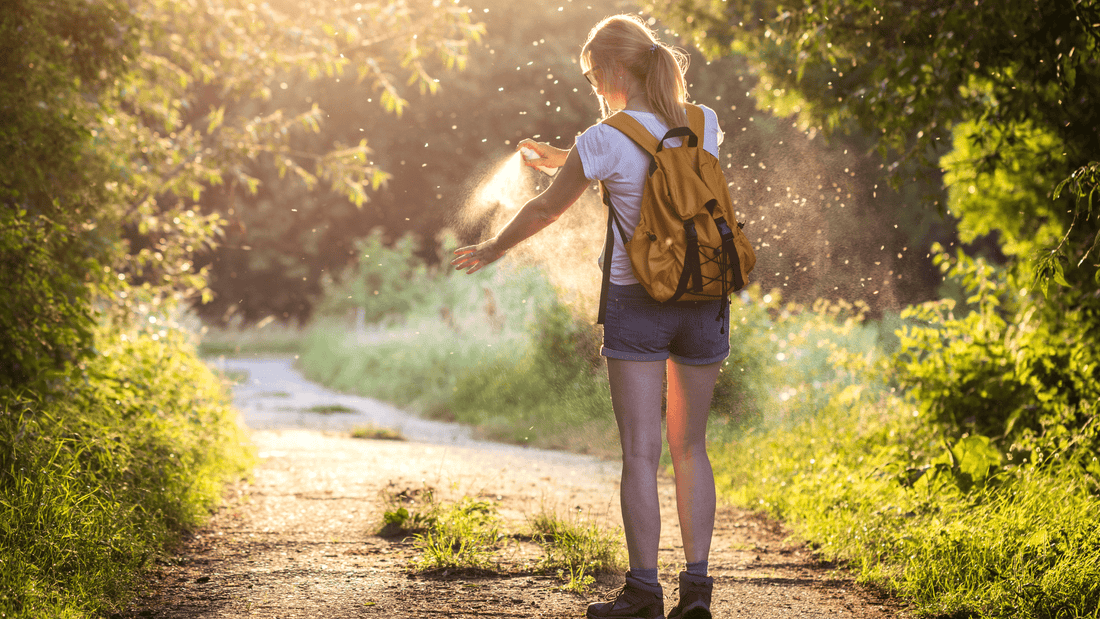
(283, 242)
(120, 115)
(1002, 95)
(57, 63)
(1002, 99)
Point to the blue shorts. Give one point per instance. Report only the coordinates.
(638, 328)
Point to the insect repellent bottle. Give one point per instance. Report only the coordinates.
(530, 154)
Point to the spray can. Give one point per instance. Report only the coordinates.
(530, 154)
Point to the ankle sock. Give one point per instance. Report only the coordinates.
(699, 568)
(645, 577)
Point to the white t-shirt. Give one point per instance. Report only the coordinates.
(608, 155)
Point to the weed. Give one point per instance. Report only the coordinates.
(576, 552)
(464, 535)
(497, 350)
(266, 338)
(99, 475)
(408, 512)
(377, 433)
(330, 409)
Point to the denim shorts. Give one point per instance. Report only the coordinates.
(639, 328)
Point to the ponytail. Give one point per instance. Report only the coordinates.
(665, 85)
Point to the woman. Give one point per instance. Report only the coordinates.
(631, 70)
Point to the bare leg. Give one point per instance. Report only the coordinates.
(690, 389)
(636, 399)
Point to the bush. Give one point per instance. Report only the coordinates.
(971, 490)
(1010, 367)
(101, 473)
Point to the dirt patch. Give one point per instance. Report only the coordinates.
(299, 540)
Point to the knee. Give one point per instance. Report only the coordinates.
(683, 451)
(644, 454)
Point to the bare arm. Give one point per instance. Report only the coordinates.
(539, 212)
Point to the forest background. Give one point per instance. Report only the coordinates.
(914, 379)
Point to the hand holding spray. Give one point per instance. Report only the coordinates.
(529, 154)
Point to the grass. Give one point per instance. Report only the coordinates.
(408, 512)
(1024, 544)
(100, 475)
(807, 425)
(376, 433)
(497, 351)
(468, 535)
(577, 552)
(464, 535)
(330, 409)
(265, 338)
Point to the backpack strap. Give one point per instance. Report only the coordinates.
(634, 130)
(608, 249)
(696, 120)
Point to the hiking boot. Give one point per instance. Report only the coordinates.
(694, 597)
(634, 601)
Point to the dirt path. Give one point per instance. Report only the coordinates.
(299, 540)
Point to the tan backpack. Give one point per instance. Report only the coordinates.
(688, 245)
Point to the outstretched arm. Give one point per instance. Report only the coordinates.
(538, 213)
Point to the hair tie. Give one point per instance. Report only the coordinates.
(653, 48)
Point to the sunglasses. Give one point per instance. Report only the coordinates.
(588, 76)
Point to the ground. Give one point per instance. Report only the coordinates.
(300, 540)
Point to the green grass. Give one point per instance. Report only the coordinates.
(464, 535)
(856, 481)
(100, 475)
(498, 351)
(576, 551)
(376, 433)
(469, 534)
(330, 409)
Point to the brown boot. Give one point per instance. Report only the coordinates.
(694, 597)
(634, 601)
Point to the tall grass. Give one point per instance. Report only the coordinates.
(955, 527)
(498, 349)
(942, 525)
(102, 473)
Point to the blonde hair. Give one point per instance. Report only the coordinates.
(626, 41)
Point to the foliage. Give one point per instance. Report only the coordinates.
(960, 472)
(217, 70)
(283, 242)
(409, 512)
(51, 181)
(1083, 185)
(927, 77)
(463, 535)
(1003, 369)
(576, 551)
(953, 527)
(374, 432)
(480, 349)
(102, 473)
(120, 116)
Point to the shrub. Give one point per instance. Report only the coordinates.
(101, 473)
(1010, 367)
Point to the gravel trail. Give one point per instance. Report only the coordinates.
(299, 539)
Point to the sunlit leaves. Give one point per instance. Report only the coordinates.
(991, 178)
(121, 116)
(1021, 76)
(236, 54)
